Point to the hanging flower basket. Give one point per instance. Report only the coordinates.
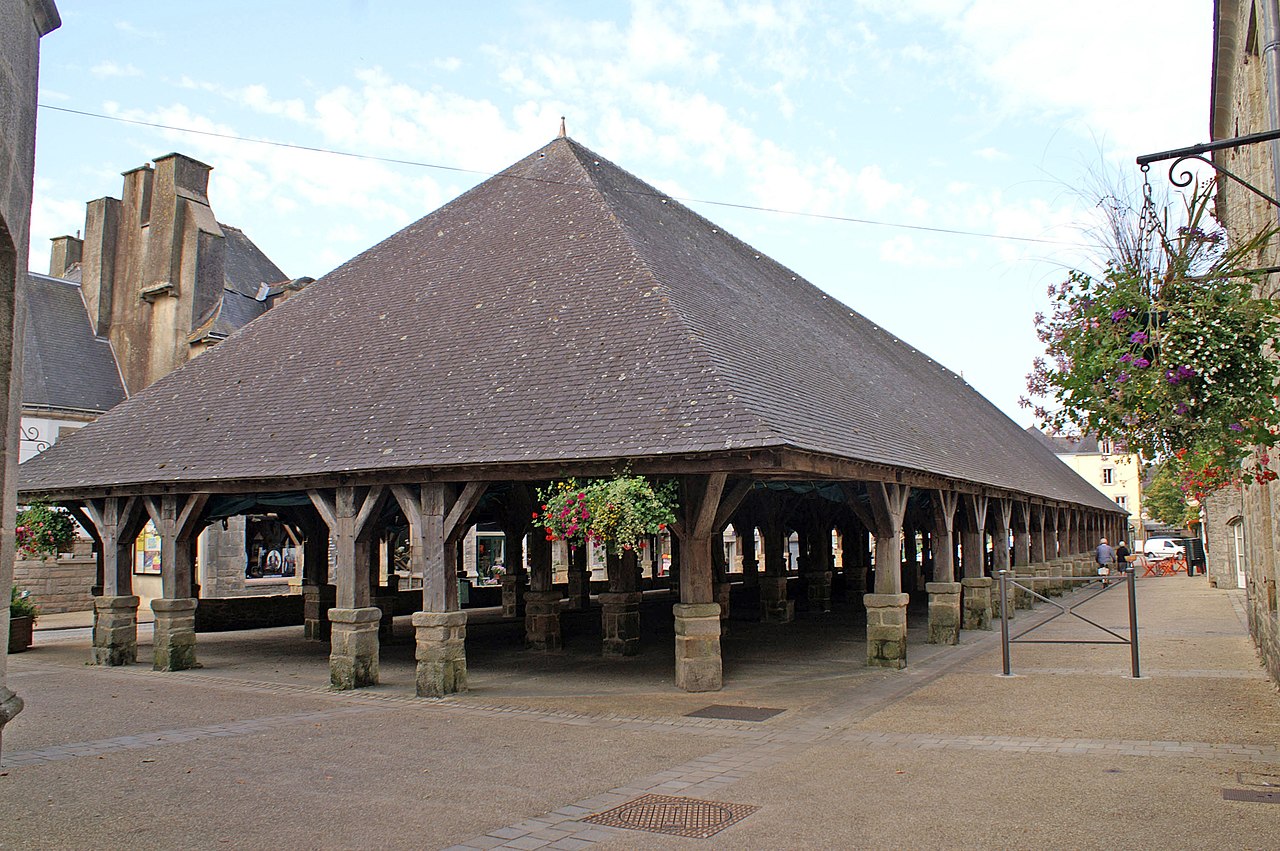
(613, 513)
(43, 531)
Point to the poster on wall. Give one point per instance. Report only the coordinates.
(147, 552)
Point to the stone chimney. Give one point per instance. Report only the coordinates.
(64, 254)
(98, 265)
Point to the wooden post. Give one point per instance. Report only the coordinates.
(117, 521)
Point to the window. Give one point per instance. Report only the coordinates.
(1106, 447)
(1108, 476)
(1122, 501)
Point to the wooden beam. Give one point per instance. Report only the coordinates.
(730, 502)
(704, 519)
(455, 524)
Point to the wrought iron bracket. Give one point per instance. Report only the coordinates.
(1197, 152)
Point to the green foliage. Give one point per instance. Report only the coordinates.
(615, 513)
(44, 530)
(1167, 350)
(20, 604)
(1164, 499)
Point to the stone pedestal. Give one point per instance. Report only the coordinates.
(944, 612)
(722, 592)
(1056, 585)
(513, 595)
(996, 611)
(774, 605)
(441, 653)
(1022, 598)
(818, 584)
(115, 630)
(542, 620)
(174, 641)
(620, 622)
(579, 591)
(976, 597)
(1043, 583)
(10, 706)
(317, 600)
(353, 647)
(698, 666)
(886, 630)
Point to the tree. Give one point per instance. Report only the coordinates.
(1164, 499)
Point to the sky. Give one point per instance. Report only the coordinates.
(999, 118)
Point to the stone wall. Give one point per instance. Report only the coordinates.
(22, 24)
(1242, 108)
(1219, 510)
(58, 585)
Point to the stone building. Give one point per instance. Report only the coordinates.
(565, 319)
(22, 24)
(1241, 524)
(1110, 469)
(155, 281)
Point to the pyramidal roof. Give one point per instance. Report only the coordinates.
(561, 310)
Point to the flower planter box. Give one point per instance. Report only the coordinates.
(20, 632)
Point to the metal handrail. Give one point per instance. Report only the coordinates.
(1129, 579)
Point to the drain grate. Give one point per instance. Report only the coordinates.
(1252, 796)
(736, 713)
(690, 817)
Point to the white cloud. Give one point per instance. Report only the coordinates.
(108, 68)
(447, 63)
(991, 155)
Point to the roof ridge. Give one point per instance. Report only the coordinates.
(661, 287)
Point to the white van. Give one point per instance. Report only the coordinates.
(1158, 548)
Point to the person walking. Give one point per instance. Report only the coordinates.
(1105, 557)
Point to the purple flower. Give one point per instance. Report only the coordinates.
(1172, 377)
(1122, 377)
(1185, 371)
(1181, 408)
(1138, 337)
(1142, 363)
(1119, 315)
(1236, 427)
(1127, 357)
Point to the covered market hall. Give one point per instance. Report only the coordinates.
(564, 319)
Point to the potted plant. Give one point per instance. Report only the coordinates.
(22, 619)
(43, 531)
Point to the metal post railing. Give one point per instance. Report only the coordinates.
(1004, 618)
(1133, 619)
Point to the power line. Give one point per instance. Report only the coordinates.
(460, 170)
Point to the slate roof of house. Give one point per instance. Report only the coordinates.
(1073, 444)
(560, 310)
(64, 366)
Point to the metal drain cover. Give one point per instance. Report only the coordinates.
(736, 713)
(1253, 796)
(690, 817)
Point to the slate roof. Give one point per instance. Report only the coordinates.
(1081, 444)
(246, 267)
(560, 310)
(64, 366)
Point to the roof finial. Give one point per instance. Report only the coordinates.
(563, 134)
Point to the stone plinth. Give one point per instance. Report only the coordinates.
(353, 647)
(1043, 583)
(620, 622)
(996, 611)
(513, 595)
(441, 653)
(818, 584)
(698, 666)
(174, 641)
(115, 630)
(317, 600)
(886, 630)
(1056, 585)
(1022, 598)
(774, 605)
(976, 597)
(944, 612)
(542, 620)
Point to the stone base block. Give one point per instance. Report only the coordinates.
(944, 612)
(774, 605)
(513, 595)
(698, 665)
(115, 630)
(886, 630)
(353, 647)
(317, 600)
(542, 620)
(976, 600)
(10, 706)
(1056, 585)
(818, 586)
(174, 641)
(620, 622)
(441, 652)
